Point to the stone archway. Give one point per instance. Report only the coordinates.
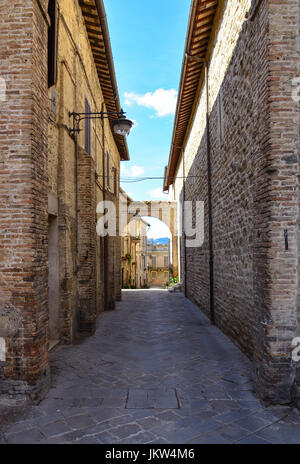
(165, 211)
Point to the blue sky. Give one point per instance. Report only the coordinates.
(148, 40)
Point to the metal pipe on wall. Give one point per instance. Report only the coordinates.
(105, 239)
(209, 203)
(183, 228)
(76, 134)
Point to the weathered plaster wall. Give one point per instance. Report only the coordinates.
(77, 81)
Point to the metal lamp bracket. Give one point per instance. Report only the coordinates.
(78, 117)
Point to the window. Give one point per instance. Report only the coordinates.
(166, 261)
(153, 261)
(114, 170)
(87, 142)
(52, 43)
(107, 171)
(153, 275)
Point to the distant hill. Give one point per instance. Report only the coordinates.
(159, 241)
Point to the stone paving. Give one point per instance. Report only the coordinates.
(155, 372)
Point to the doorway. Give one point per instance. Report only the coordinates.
(53, 281)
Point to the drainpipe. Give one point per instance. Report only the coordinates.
(183, 219)
(209, 203)
(76, 203)
(105, 239)
(76, 134)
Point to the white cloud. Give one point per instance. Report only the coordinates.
(162, 101)
(137, 171)
(158, 228)
(132, 171)
(157, 194)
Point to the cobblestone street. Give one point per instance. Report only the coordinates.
(156, 371)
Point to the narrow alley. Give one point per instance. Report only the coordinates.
(156, 371)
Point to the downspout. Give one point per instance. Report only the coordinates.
(209, 203)
(76, 134)
(105, 238)
(76, 204)
(130, 264)
(183, 219)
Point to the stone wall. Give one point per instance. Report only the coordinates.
(254, 137)
(134, 271)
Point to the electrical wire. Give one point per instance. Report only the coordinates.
(129, 180)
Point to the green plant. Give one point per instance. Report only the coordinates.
(128, 257)
(173, 281)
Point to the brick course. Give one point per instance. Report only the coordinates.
(86, 275)
(24, 197)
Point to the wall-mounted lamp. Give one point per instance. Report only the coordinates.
(121, 125)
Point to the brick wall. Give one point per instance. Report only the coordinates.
(31, 128)
(77, 81)
(86, 273)
(279, 212)
(23, 199)
(254, 134)
(112, 261)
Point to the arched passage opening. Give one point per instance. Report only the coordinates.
(136, 219)
(159, 253)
